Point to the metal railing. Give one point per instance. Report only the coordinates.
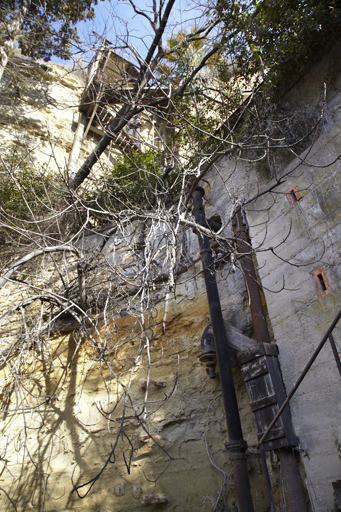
(327, 336)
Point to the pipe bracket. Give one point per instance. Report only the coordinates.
(238, 456)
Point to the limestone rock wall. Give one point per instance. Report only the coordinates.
(71, 403)
(38, 103)
(39, 112)
(178, 454)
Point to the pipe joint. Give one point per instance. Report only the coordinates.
(236, 448)
(200, 189)
(238, 456)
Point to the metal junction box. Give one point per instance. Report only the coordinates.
(263, 378)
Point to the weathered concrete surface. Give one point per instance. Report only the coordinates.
(291, 242)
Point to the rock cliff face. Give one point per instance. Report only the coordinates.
(179, 459)
(176, 458)
(178, 455)
(39, 114)
(38, 104)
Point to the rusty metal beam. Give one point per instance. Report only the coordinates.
(244, 254)
(292, 479)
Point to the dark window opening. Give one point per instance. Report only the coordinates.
(293, 195)
(321, 282)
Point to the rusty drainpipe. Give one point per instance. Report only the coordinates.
(237, 446)
(289, 464)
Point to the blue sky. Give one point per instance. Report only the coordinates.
(113, 20)
(116, 19)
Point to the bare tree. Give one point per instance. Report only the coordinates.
(97, 257)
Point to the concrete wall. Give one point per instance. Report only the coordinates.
(291, 242)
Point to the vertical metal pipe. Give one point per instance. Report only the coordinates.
(236, 445)
(289, 464)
